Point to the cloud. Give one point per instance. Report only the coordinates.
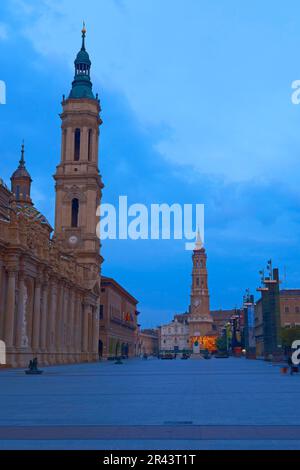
(205, 72)
(3, 32)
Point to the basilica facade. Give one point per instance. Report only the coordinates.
(50, 278)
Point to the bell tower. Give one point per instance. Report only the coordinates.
(21, 182)
(78, 181)
(200, 319)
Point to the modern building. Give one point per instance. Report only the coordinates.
(118, 329)
(50, 284)
(286, 311)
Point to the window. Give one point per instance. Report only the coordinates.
(18, 192)
(77, 145)
(286, 309)
(198, 281)
(90, 145)
(101, 312)
(297, 309)
(75, 212)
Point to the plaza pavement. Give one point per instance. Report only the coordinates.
(216, 404)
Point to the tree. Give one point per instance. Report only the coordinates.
(289, 335)
(221, 343)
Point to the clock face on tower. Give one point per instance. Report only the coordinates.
(197, 302)
(73, 240)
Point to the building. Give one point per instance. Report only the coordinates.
(50, 284)
(175, 336)
(287, 307)
(118, 321)
(268, 313)
(148, 342)
(194, 330)
(221, 317)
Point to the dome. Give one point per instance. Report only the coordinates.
(21, 172)
(83, 58)
(32, 213)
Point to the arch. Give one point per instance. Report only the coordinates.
(77, 139)
(75, 212)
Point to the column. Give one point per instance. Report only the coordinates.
(84, 144)
(21, 311)
(36, 316)
(51, 319)
(60, 324)
(85, 330)
(65, 325)
(70, 144)
(95, 332)
(43, 333)
(71, 327)
(10, 310)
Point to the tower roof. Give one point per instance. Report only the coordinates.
(21, 171)
(82, 85)
(199, 243)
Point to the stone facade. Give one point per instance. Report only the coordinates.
(175, 336)
(148, 342)
(50, 285)
(118, 321)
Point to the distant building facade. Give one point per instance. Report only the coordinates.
(118, 330)
(194, 330)
(148, 342)
(285, 312)
(175, 336)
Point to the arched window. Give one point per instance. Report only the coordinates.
(75, 212)
(18, 192)
(90, 145)
(198, 281)
(77, 145)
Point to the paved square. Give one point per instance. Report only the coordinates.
(220, 403)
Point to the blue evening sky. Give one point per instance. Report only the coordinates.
(196, 104)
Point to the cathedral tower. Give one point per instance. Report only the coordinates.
(21, 182)
(200, 320)
(78, 181)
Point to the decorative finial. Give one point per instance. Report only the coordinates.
(83, 36)
(22, 161)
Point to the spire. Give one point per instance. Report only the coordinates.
(21, 180)
(83, 37)
(22, 161)
(199, 243)
(82, 85)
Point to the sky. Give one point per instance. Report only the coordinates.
(196, 108)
